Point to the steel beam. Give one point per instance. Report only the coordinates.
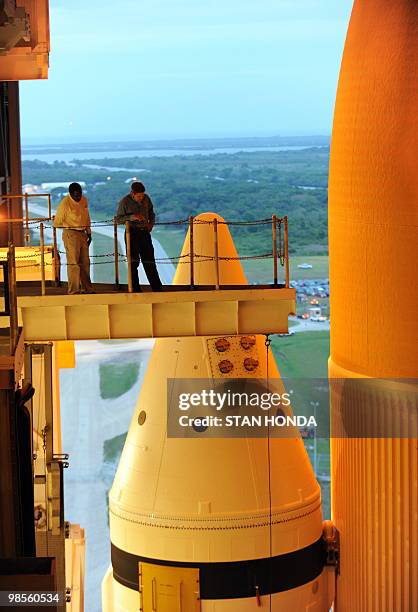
(156, 315)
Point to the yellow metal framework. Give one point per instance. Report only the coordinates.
(26, 219)
(157, 315)
(279, 253)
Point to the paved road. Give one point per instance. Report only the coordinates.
(87, 421)
(303, 325)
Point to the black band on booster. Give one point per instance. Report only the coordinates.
(236, 579)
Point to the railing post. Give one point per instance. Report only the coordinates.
(191, 225)
(27, 233)
(9, 224)
(6, 297)
(42, 245)
(216, 251)
(57, 262)
(116, 249)
(128, 255)
(14, 325)
(49, 207)
(274, 236)
(286, 250)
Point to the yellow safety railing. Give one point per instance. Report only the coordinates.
(10, 297)
(25, 219)
(279, 252)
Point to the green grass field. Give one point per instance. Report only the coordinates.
(257, 271)
(104, 267)
(261, 271)
(117, 378)
(320, 267)
(303, 355)
(171, 239)
(112, 448)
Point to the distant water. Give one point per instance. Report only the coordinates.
(68, 157)
(309, 187)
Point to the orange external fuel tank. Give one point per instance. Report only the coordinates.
(373, 237)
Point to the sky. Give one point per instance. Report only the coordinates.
(146, 69)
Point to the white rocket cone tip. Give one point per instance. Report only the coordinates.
(209, 216)
(208, 243)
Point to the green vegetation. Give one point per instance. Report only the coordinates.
(303, 355)
(117, 378)
(243, 186)
(104, 267)
(112, 448)
(261, 271)
(170, 239)
(320, 267)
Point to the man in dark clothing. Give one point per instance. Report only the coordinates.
(137, 208)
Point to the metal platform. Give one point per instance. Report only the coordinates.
(177, 311)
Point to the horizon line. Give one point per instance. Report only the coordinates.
(124, 140)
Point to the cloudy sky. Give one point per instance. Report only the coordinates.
(136, 69)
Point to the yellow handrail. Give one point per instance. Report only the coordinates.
(26, 219)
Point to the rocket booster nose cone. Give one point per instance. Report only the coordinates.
(177, 502)
(209, 216)
(205, 483)
(203, 247)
